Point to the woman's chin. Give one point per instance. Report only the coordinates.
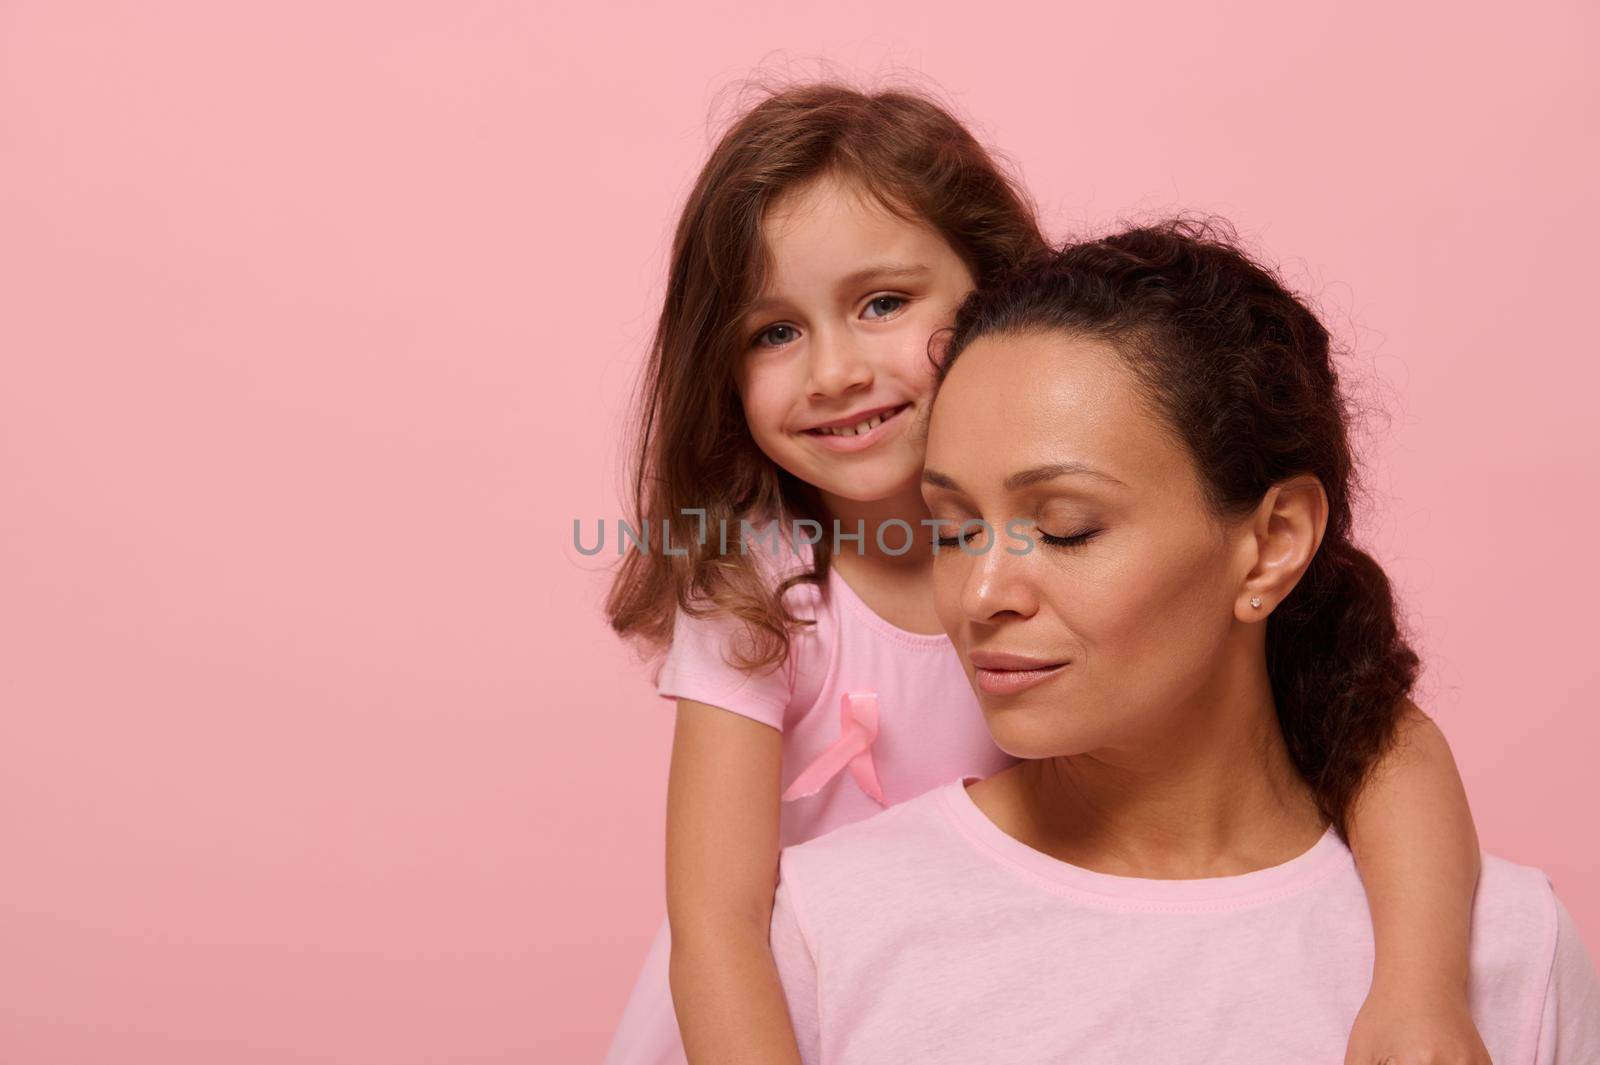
(1030, 735)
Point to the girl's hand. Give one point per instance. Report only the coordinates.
(1412, 1028)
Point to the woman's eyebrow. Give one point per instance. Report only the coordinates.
(1050, 471)
(1026, 478)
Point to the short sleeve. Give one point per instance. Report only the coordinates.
(697, 668)
(797, 970)
(699, 663)
(1569, 1033)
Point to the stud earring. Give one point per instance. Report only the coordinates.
(1255, 601)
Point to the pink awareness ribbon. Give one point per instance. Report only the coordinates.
(858, 727)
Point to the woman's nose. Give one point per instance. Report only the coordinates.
(837, 366)
(996, 584)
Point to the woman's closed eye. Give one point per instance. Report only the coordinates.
(1077, 539)
(971, 528)
(964, 530)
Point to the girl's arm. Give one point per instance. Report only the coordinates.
(1417, 849)
(722, 869)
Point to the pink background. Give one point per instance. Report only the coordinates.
(317, 322)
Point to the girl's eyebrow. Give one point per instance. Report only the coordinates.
(1025, 478)
(889, 271)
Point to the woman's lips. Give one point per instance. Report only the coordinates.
(860, 441)
(998, 673)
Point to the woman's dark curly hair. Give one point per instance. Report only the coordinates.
(1242, 372)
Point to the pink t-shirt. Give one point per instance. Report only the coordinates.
(926, 934)
(930, 728)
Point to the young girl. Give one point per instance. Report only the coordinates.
(829, 236)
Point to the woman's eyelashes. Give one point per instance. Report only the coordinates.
(1077, 539)
(972, 528)
(877, 309)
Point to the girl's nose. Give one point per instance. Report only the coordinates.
(837, 367)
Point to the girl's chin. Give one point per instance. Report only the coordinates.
(864, 497)
(866, 484)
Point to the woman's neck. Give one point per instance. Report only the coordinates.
(1217, 796)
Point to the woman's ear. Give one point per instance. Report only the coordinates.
(1287, 527)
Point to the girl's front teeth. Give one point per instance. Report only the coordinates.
(865, 427)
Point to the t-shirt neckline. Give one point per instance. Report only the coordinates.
(1260, 885)
(858, 606)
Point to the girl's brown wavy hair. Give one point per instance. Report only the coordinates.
(1243, 373)
(693, 449)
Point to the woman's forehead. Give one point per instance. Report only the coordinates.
(1016, 401)
(1036, 379)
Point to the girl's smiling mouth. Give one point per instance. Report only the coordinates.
(858, 431)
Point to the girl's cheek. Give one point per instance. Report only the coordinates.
(921, 371)
(761, 392)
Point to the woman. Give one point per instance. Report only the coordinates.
(1141, 459)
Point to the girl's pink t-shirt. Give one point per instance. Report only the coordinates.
(927, 934)
(930, 727)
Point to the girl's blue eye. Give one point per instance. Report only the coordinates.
(775, 336)
(884, 305)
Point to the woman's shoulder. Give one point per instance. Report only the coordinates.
(1527, 953)
(1516, 899)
